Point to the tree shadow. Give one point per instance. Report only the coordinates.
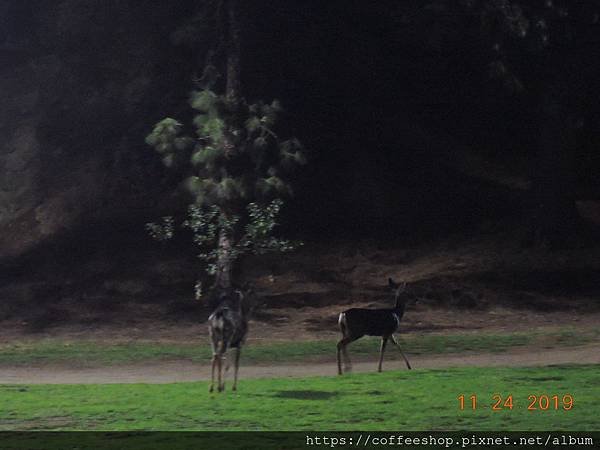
(306, 395)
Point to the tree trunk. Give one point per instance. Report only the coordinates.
(223, 279)
(224, 262)
(233, 52)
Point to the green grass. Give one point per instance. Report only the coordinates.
(89, 353)
(394, 400)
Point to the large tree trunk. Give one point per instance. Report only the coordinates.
(223, 278)
(233, 52)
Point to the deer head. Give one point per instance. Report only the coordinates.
(401, 293)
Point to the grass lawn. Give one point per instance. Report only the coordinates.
(89, 353)
(394, 400)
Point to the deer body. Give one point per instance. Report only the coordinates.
(358, 322)
(227, 328)
(361, 322)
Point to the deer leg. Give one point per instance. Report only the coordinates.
(347, 362)
(401, 352)
(221, 382)
(341, 348)
(227, 362)
(236, 365)
(339, 360)
(384, 340)
(212, 377)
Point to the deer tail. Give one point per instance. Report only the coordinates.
(342, 323)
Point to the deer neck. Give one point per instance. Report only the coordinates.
(399, 308)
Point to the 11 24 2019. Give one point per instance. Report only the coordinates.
(533, 402)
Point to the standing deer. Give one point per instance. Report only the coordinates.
(227, 327)
(358, 322)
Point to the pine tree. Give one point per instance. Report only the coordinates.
(239, 167)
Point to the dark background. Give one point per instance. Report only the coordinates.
(411, 132)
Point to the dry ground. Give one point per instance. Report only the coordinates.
(182, 371)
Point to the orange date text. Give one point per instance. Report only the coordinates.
(533, 402)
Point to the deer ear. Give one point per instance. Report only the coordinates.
(392, 284)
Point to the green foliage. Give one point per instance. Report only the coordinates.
(161, 231)
(207, 223)
(206, 156)
(236, 165)
(204, 101)
(235, 156)
(258, 237)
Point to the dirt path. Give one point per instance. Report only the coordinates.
(184, 370)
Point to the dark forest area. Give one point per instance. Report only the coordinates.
(423, 123)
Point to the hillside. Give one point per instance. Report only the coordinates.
(462, 283)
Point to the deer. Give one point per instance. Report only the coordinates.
(355, 323)
(227, 328)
